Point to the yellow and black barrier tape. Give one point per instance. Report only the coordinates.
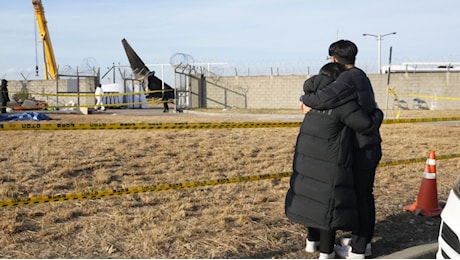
(178, 186)
(185, 125)
(431, 97)
(135, 190)
(86, 94)
(421, 120)
(416, 160)
(110, 105)
(150, 126)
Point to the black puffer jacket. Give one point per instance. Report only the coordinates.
(321, 193)
(4, 98)
(352, 84)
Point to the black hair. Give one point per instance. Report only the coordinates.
(332, 69)
(344, 51)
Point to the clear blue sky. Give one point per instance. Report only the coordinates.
(290, 34)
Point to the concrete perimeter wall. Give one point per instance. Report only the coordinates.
(438, 90)
(56, 92)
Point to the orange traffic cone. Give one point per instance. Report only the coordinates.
(427, 199)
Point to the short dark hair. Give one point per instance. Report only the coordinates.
(344, 51)
(332, 69)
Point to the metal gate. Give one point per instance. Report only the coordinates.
(190, 83)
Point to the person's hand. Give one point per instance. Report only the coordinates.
(304, 108)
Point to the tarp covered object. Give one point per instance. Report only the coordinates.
(114, 87)
(34, 116)
(138, 99)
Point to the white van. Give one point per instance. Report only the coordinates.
(449, 231)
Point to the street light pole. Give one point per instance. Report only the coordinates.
(379, 48)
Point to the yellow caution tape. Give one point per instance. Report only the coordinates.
(391, 91)
(421, 120)
(178, 186)
(417, 160)
(431, 97)
(184, 125)
(155, 126)
(116, 105)
(91, 94)
(144, 189)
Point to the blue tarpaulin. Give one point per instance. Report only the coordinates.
(35, 116)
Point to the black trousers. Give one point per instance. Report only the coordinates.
(165, 106)
(326, 239)
(364, 166)
(3, 110)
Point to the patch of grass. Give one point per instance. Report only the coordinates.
(242, 220)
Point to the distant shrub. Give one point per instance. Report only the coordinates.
(21, 96)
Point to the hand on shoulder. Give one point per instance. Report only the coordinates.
(304, 108)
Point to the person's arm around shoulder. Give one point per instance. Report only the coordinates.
(335, 94)
(357, 119)
(377, 119)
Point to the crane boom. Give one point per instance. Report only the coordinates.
(50, 61)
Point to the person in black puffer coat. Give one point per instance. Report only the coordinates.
(4, 97)
(321, 194)
(353, 84)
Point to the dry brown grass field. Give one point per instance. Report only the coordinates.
(238, 220)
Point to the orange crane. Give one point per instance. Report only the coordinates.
(48, 53)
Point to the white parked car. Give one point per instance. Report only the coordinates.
(449, 231)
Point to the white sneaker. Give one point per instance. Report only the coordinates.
(347, 241)
(311, 246)
(327, 256)
(345, 253)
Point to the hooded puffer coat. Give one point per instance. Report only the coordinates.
(352, 84)
(321, 193)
